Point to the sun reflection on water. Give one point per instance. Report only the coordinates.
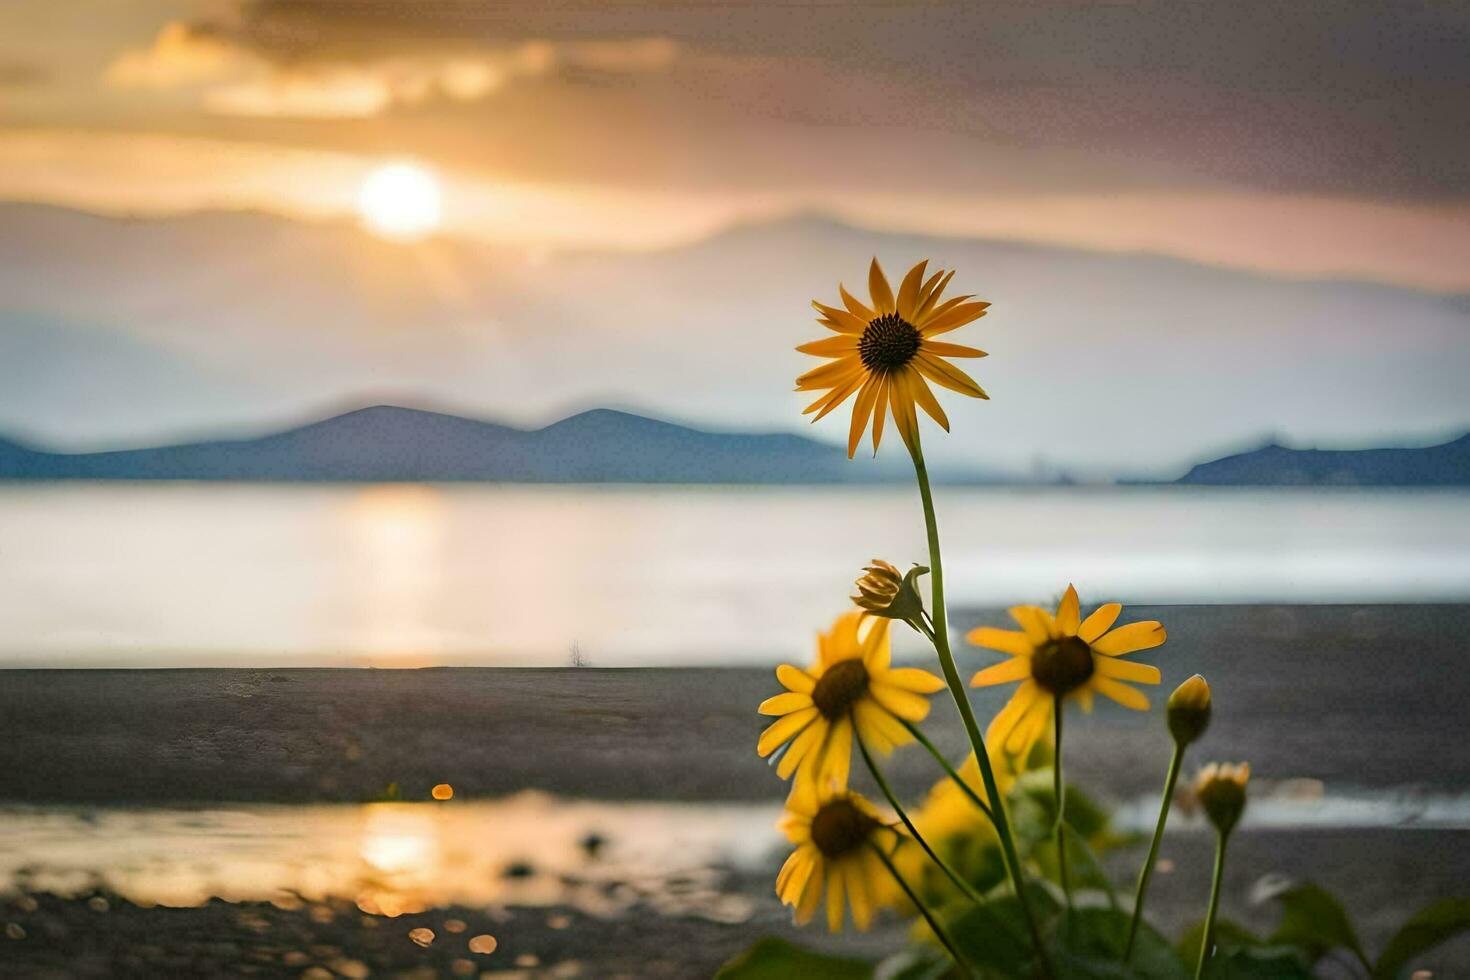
(392, 859)
(396, 533)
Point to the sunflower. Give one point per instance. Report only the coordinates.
(851, 685)
(885, 352)
(1063, 657)
(837, 835)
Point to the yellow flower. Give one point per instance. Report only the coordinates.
(851, 685)
(1063, 657)
(1220, 789)
(885, 350)
(834, 833)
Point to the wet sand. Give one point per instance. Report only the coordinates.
(1357, 696)
(1363, 698)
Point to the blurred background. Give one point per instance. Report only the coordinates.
(340, 334)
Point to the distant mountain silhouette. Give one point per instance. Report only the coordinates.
(1443, 465)
(389, 443)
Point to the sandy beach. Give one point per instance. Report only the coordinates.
(1362, 702)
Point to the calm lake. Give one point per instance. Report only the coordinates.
(408, 575)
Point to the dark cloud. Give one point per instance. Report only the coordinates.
(1328, 97)
(20, 74)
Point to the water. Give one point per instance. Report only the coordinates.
(528, 849)
(406, 575)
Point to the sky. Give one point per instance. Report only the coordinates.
(1298, 141)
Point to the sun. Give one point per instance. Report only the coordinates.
(400, 201)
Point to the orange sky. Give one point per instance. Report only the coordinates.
(1328, 146)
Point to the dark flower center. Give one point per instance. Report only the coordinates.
(839, 827)
(1063, 665)
(888, 343)
(840, 687)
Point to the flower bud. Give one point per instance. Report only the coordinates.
(1220, 789)
(882, 591)
(1189, 710)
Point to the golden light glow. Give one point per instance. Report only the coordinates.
(401, 201)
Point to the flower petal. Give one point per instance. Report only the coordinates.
(830, 346)
(1127, 670)
(946, 375)
(784, 729)
(862, 410)
(835, 397)
(1128, 697)
(878, 287)
(902, 400)
(834, 760)
(1006, 641)
(796, 679)
(908, 291)
(1031, 726)
(1102, 618)
(1015, 669)
(914, 679)
(930, 296)
(1130, 639)
(953, 319)
(1036, 622)
(880, 407)
(858, 895)
(905, 704)
(878, 729)
(801, 747)
(948, 350)
(811, 896)
(830, 375)
(835, 883)
(1068, 613)
(857, 309)
(925, 398)
(877, 649)
(784, 704)
(841, 320)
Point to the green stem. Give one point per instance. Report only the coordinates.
(923, 740)
(1207, 939)
(940, 932)
(1059, 796)
(949, 872)
(962, 702)
(1153, 849)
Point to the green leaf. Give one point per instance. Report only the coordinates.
(1312, 919)
(1090, 942)
(776, 959)
(916, 963)
(1425, 929)
(993, 935)
(1257, 963)
(1229, 935)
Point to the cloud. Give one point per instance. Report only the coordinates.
(1316, 95)
(234, 79)
(21, 74)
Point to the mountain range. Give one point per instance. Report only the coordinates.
(387, 443)
(131, 331)
(1447, 464)
(390, 443)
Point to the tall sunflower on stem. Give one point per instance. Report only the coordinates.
(1057, 659)
(885, 353)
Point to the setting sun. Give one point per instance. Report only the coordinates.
(400, 201)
